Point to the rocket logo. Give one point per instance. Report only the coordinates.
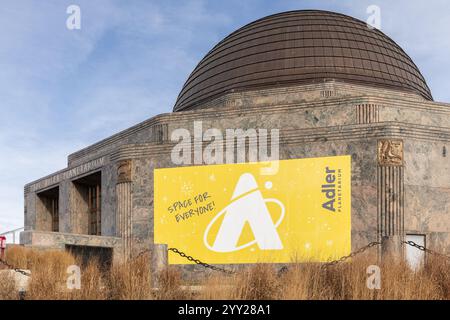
(247, 205)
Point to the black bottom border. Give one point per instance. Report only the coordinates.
(213, 309)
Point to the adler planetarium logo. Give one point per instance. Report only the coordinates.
(247, 206)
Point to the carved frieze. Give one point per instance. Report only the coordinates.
(390, 152)
(124, 171)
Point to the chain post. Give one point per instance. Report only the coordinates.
(391, 248)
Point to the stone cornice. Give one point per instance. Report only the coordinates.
(296, 136)
(287, 137)
(65, 174)
(116, 137)
(216, 113)
(230, 112)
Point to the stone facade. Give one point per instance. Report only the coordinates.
(398, 143)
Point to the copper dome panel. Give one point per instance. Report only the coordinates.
(301, 47)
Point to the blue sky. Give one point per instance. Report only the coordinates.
(61, 90)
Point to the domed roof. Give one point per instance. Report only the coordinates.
(301, 47)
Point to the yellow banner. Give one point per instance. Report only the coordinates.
(231, 213)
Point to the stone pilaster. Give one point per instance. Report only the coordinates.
(124, 205)
(390, 186)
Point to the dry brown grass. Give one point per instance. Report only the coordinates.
(133, 280)
(170, 286)
(130, 281)
(7, 288)
(345, 281)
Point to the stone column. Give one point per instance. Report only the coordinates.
(158, 262)
(65, 210)
(390, 189)
(124, 206)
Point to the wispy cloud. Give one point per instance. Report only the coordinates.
(61, 90)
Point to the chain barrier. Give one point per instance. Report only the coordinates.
(424, 249)
(203, 264)
(141, 254)
(324, 266)
(351, 255)
(192, 259)
(14, 269)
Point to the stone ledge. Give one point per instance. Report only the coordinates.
(59, 240)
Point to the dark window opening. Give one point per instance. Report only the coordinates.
(95, 210)
(48, 211)
(89, 204)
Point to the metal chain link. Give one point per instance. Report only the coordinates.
(14, 269)
(141, 254)
(203, 264)
(324, 266)
(423, 248)
(192, 259)
(351, 255)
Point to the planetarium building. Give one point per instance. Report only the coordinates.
(332, 88)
